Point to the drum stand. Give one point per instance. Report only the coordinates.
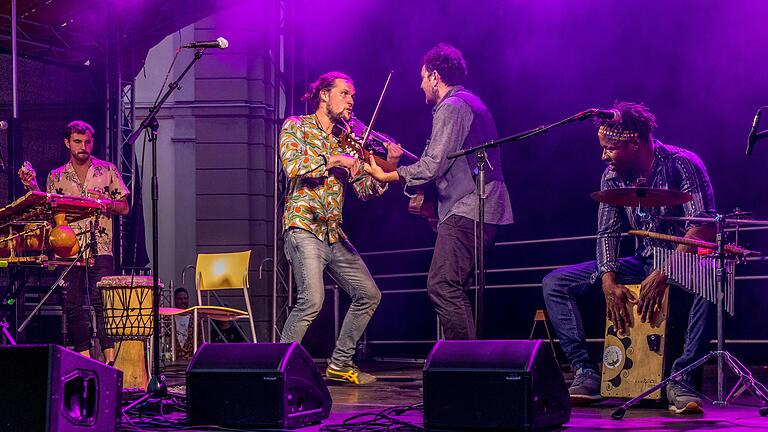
(10, 297)
(746, 380)
(56, 284)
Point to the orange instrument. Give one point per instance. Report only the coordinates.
(38, 222)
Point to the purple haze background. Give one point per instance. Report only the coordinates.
(698, 65)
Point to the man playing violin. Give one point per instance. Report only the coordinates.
(86, 176)
(318, 172)
(459, 120)
(634, 158)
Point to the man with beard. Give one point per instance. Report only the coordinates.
(634, 159)
(86, 176)
(460, 120)
(318, 173)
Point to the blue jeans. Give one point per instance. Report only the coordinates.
(563, 287)
(309, 256)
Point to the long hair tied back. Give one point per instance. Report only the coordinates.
(325, 82)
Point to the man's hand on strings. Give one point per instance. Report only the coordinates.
(394, 152)
(375, 171)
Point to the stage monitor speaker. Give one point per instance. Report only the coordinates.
(274, 385)
(52, 389)
(494, 384)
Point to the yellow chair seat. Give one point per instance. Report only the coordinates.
(218, 313)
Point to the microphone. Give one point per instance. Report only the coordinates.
(3, 125)
(753, 135)
(219, 43)
(612, 115)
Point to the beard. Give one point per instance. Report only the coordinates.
(82, 156)
(336, 115)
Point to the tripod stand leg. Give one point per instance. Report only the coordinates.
(145, 397)
(4, 325)
(746, 380)
(618, 414)
(737, 389)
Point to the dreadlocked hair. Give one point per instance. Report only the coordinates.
(634, 117)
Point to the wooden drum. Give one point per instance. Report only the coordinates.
(128, 319)
(634, 362)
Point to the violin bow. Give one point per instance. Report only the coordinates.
(376, 111)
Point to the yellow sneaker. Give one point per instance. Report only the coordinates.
(350, 373)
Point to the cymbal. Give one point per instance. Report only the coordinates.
(641, 196)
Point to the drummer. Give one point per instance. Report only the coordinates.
(635, 159)
(86, 176)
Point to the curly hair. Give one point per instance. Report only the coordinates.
(634, 117)
(77, 126)
(325, 82)
(448, 62)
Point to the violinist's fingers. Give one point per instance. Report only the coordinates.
(355, 168)
(372, 161)
(393, 148)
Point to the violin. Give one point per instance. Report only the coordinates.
(352, 144)
(361, 141)
(350, 135)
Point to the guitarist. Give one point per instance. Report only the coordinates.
(459, 120)
(318, 173)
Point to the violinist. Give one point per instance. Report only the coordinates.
(460, 120)
(318, 173)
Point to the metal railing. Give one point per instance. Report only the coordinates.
(516, 270)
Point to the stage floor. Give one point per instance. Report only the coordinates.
(400, 385)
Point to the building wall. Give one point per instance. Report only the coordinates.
(215, 149)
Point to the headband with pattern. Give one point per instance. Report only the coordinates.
(616, 133)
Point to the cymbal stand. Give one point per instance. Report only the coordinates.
(746, 381)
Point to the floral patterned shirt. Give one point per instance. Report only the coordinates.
(103, 177)
(315, 195)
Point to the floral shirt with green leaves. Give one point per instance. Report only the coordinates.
(315, 195)
(103, 178)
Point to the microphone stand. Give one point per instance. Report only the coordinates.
(156, 386)
(482, 159)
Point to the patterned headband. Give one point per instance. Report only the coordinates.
(616, 133)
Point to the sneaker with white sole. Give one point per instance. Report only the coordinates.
(585, 389)
(682, 400)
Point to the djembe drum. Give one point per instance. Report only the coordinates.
(128, 319)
